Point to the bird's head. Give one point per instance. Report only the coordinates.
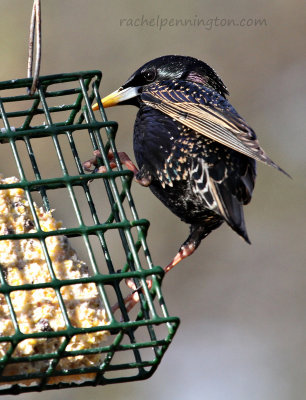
(162, 69)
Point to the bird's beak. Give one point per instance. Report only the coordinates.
(118, 96)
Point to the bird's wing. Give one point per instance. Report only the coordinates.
(224, 190)
(208, 113)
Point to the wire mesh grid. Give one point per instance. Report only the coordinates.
(43, 140)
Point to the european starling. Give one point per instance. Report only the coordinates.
(193, 149)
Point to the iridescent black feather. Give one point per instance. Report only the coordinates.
(195, 149)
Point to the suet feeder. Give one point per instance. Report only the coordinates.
(105, 232)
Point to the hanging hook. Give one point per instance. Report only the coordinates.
(35, 26)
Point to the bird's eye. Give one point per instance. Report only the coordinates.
(149, 75)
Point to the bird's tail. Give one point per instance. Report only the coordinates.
(232, 211)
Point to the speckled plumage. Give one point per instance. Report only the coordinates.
(197, 153)
(181, 163)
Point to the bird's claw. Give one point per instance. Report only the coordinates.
(92, 165)
(93, 162)
(132, 299)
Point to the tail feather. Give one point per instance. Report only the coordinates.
(232, 211)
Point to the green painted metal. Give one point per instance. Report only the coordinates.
(152, 313)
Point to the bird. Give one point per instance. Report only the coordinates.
(193, 150)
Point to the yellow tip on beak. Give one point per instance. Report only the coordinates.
(116, 97)
(95, 107)
(108, 101)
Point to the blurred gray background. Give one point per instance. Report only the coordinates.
(242, 308)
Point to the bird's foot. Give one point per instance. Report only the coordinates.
(132, 299)
(124, 159)
(197, 234)
(185, 251)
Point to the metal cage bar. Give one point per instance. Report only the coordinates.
(151, 318)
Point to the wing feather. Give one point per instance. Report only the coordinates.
(221, 194)
(208, 113)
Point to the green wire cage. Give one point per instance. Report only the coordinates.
(52, 127)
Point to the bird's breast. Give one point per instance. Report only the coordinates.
(180, 162)
(154, 136)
